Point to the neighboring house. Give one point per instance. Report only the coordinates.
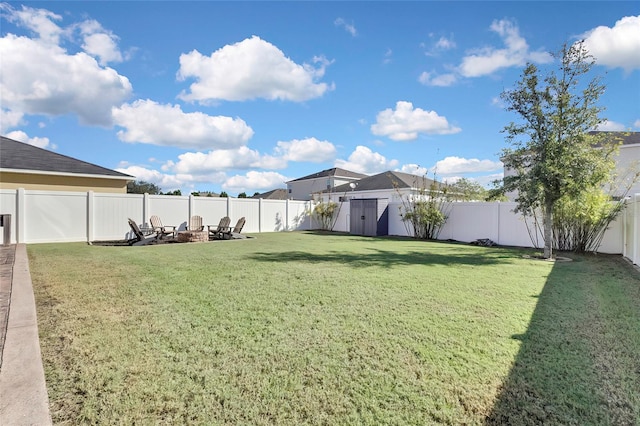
(392, 186)
(303, 188)
(627, 162)
(275, 194)
(29, 167)
(628, 158)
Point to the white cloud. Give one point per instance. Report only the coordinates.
(252, 68)
(405, 123)
(457, 165)
(414, 169)
(363, 160)
(100, 43)
(618, 46)
(350, 28)
(611, 126)
(444, 43)
(253, 181)
(487, 60)
(20, 136)
(10, 119)
(146, 121)
(636, 124)
(223, 159)
(442, 80)
(39, 21)
(388, 56)
(169, 182)
(42, 79)
(309, 149)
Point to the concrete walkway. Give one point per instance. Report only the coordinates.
(23, 392)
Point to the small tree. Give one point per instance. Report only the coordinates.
(325, 213)
(224, 194)
(426, 210)
(142, 187)
(242, 195)
(174, 192)
(556, 157)
(467, 190)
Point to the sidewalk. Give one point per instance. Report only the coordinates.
(23, 392)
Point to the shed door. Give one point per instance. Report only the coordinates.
(364, 217)
(370, 225)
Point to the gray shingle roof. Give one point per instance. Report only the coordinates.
(625, 138)
(275, 194)
(336, 171)
(387, 180)
(21, 156)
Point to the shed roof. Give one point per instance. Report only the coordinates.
(16, 155)
(336, 171)
(387, 180)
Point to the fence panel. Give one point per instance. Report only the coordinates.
(55, 216)
(273, 215)
(211, 209)
(171, 209)
(110, 214)
(8, 205)
(298, 215)
(247, 208)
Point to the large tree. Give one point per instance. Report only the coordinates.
(552, 153)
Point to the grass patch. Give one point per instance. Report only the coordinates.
(301, 328)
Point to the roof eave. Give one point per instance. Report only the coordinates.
(66, 174)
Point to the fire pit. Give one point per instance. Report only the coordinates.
(192, 236)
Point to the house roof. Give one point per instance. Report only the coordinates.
(16, 155)
(386, 180)
(275, 194)
(336, 172)
(626, 138)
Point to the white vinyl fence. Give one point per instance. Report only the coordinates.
(48, 216)
(471, 221)
(52, 216)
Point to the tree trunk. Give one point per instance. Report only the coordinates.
(548, 229)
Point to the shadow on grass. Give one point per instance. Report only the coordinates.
(578, 362)
(389, 258)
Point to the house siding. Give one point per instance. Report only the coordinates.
(46, 182)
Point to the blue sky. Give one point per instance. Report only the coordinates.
(243, 96)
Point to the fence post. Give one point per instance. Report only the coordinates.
(228, 206)
(259, 215)
(20, 216)
(145, 209)
(286, 215)
(191, 207)
(90, 218)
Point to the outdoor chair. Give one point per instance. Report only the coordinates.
(139, 238)
(215, 231)
(235, 232)
(160, 229)
(195, 224)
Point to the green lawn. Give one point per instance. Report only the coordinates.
(306, 328)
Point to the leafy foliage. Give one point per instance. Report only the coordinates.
(467, 190)
(142, 187)
(425, 212)
(224, 194)
(242, 195)
(552, 153)
(325, 212)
